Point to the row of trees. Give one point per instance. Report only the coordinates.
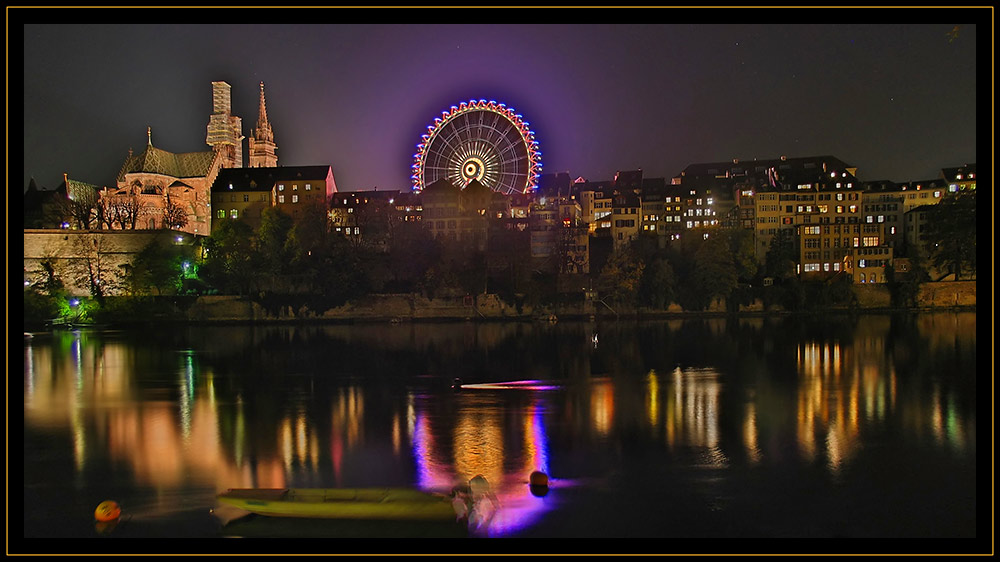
(90, 209)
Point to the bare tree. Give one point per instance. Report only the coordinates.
(174, 215)
(125, 210)
(79, 207)
(92, 268)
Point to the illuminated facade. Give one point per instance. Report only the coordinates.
(244, 193)
(153, 180)
(960, 178)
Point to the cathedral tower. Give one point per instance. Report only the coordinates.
(262, 147)
(225, 131)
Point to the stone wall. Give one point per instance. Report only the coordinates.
(75, 254)
(947, 294)
(872, 295)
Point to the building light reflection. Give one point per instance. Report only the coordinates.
(652, 398)
(602, 406)
(750, 434)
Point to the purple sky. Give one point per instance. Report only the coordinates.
(896, 100)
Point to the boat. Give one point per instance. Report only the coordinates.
(342, 503)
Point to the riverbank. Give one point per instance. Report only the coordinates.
(400, 308)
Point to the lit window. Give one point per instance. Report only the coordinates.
(281, 199)
(234, 214)
(281, 187)
(309, 188)
(295, 198)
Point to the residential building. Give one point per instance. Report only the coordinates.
(244, 193)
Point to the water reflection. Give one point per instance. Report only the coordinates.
(338, 406)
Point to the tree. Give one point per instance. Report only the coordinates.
(174, 215)
(125, 210)
(92, 268)
(272, 235)
(741, 245)
(79, 207)
(228, 264)
(715, 272)
(156, 269)
(412, 252)
(621, 275)
(657, 286)
(782, 255)
(951, 234)
(309, 238)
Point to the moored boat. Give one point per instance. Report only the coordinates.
(341, 503)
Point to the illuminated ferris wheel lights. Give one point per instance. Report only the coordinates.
(499, 150)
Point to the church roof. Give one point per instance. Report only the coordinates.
(158, 161)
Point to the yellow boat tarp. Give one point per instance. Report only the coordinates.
(341, 503)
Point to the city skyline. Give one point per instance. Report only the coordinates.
(897, 101)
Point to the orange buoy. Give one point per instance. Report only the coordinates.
(538, 478)
(107, 510)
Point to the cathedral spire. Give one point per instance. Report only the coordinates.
(262, 147)
(263, 132)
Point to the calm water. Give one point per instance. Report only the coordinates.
(841, 428)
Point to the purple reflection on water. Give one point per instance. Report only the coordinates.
(514, 385)
(517, 506)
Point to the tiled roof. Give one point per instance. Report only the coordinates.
(76, 189)
(158, 161)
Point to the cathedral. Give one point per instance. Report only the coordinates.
(158, 186)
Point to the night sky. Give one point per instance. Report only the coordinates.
(896, 100)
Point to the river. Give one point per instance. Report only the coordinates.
(836, 427)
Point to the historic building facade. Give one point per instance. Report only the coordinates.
(160, 189)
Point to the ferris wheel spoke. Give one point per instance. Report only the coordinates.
(483, 142)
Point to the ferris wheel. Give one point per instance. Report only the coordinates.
(482, 140)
